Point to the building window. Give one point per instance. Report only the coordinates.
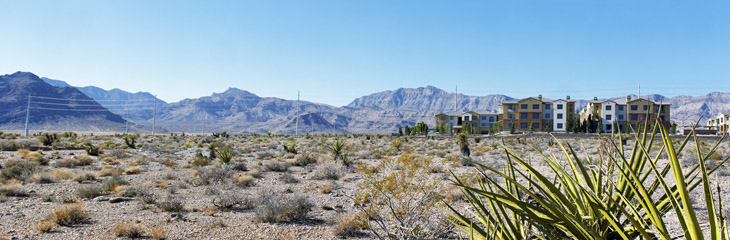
(523, 125)
(511, 107)
(560, 126)
(646, 107)
(560, 106)
(451, 118)
(547, 116)
(523, 106)
(484, 118)
(608, 127)
(466, 118)
(634, 117)
(620, 117)
(560, 116)
(608, 107)
(510, 116)
(634, 107)
(620, 108)
(509, 125)
(535, 116)
(473, 124)
(547, 106)
(608, 117)
(484, 124)
(491, 119)
(535, 126)
(535, 106)
(523, 115)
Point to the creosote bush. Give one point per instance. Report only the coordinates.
(70, 215)
(128, 230)
(329, 171)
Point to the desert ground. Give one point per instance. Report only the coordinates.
(177, 186)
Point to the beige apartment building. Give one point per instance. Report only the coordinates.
(619, 114)
(720, 123)
(538, 114)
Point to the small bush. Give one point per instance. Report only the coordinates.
(84, 177)
(93, 150)
(305, 160)
(128, 230)
(171, 205)
(243, 180)
(18, 169)
(326, 189)
(59, 174)
(274, 209)
(42, 178)
(288, 178)
(89, 191)
(110, 171)
(114, 182)
(70, 215)
(211, 175)
(227, 201)
(331, 171)
(277, 166)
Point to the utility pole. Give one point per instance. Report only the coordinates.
(27, 116)
(639, 93)
(126, 122)
(296, 129)
(456, 98)
(154, 115)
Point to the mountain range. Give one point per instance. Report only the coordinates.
(240, 111)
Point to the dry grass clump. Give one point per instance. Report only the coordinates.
(45, 226)
(157, 233)
(128, 230)
(347, 227)
(84, 177)
(18, 169)
(42, 178)
(12, 190)
(60, 174)
(326, 188)
(211, 175)
(70, 215)
(305, 159)
(74, 162)
(288, 178)
(133, 170)
(331, 171)
(110, 171)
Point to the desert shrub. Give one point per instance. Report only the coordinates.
(18, 169)
(288, 178)
(305, 159)
(329, 171)
(90, 191)
(110, 171)
(12, 190)
(240, 166)
(171, 205)
(276, 166)
(273, 208)
(326, 188)
(211, 175)
(399, 199)
(243, 180)
(232, 200)
(84, 177)
(117, 154)
(37, 157)
(128, 230)
(200, 161)
(59, 174)
(337, 148)
(74, 162)
(138, 192)
(70, 215)
(114, 182)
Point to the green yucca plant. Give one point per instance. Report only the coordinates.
(620, 195)
(226, 153)
(336, 148)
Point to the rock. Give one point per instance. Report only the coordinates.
(120, 199)
(101, 198)
(327, 208)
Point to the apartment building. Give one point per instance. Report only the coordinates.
(720, 123)
(538, 114)
(622, 112)
(480, 121)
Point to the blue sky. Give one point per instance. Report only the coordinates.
(335, 51)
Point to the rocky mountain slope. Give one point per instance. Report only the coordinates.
(51, 108)
(137, 107)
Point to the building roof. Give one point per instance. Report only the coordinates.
(485, 112)
(623, 101)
